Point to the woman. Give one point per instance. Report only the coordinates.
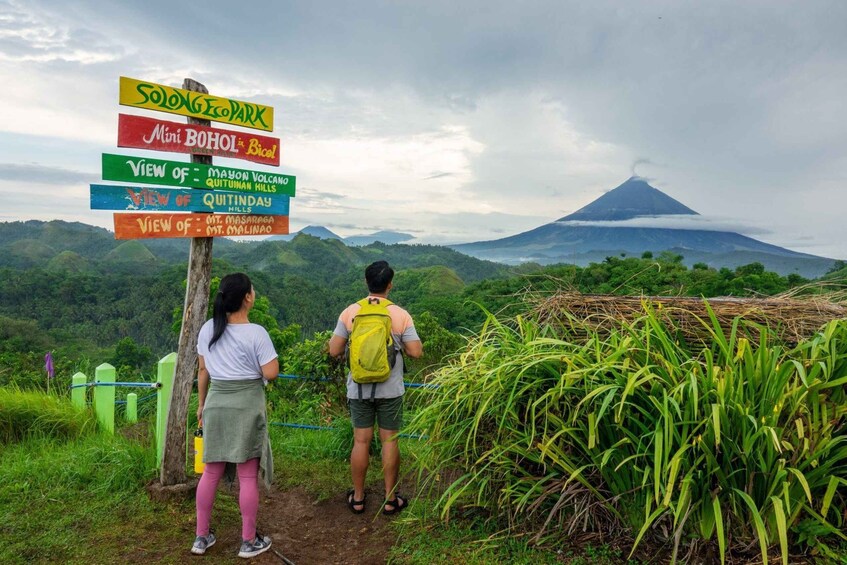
(236, 355)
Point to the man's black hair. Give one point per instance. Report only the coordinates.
(378, 275)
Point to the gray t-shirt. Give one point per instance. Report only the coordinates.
(403, 330)
(239, 353)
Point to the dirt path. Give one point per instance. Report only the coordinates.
(315, 533)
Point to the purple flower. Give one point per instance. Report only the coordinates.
(48, 365)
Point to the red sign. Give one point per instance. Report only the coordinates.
(159, 135)
(145, 225)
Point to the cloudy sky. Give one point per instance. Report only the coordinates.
(457, 121)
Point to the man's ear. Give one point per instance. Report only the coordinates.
(390, 286)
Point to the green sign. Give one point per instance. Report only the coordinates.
(174, 173)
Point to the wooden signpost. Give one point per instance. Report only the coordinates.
(144, 225)
(175, 173)
(141, 198)
(159, 135)
(253, 202)
(143, 94)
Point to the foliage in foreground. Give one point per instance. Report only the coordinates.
(32, 413)
(742, 443)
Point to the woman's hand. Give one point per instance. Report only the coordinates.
(200, 416)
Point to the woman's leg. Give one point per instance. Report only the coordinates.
(206, 489)
(248, 497)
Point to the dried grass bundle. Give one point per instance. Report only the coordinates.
(789, 318)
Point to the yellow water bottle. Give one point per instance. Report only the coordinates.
(199, 466)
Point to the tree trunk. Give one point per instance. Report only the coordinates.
(193, 317)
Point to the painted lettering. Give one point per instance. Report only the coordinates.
(255, 148)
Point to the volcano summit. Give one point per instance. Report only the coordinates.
(632, 219)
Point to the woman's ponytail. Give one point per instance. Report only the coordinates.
(230, 297)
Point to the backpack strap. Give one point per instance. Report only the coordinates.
(374, 300)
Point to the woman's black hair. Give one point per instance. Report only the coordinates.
(230, 297)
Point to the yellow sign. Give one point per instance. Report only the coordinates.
(141, 94)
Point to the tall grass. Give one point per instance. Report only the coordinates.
(740, 444)
(33, 413)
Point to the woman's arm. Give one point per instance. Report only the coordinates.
(270, 370)
(202, 387)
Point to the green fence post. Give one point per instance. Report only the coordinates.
(167, 366)
(132, 407)
(78, 394)
(104, 397)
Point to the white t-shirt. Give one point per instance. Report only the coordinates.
(239, 353)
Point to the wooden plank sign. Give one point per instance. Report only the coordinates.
(142, 94)
(142, 225)
(113, 197)
(174, 173)
(160, 135)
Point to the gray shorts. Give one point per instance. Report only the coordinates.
(387, 411)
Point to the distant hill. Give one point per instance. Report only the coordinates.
(573, 239)
(387, 237)
(73, 246)
(315, 231)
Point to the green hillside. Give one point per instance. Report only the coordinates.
(28, 252)
(69, 261)
(131, 252)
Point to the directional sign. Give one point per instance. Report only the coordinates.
(132, 225)
(174, 173)
(160, 135)
(142, 94)
(141, 198)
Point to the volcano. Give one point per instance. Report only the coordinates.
(611, 225)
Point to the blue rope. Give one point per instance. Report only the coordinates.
(327, 428)
(300, 426)
(140, 400)
(327, 379)
(135, 385)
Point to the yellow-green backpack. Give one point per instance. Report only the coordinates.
(372, 352)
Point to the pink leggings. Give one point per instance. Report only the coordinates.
(248, 496)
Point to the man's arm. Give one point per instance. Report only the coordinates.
(413, 349)
(337, 345)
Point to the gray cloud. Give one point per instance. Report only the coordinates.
(44, 174)
(438, 175)
(741, 103)
(679, 222)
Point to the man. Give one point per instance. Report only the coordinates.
(382, 401)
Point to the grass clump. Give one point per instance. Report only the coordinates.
(32, 413)
(739, 444)
(58, 497)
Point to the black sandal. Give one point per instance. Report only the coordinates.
(398, 504)
(352, 502)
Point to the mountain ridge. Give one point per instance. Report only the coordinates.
(569, 240)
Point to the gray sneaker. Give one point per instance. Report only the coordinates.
(202, 543)
(253, 548)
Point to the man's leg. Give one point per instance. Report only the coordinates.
(359, 458)
(390, 460)
(390, 415)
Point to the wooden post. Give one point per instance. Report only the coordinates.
(78, 394)
(193, 316)
(165, 378)
(104, 397)
(132, 408)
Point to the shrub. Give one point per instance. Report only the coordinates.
(743, 443)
